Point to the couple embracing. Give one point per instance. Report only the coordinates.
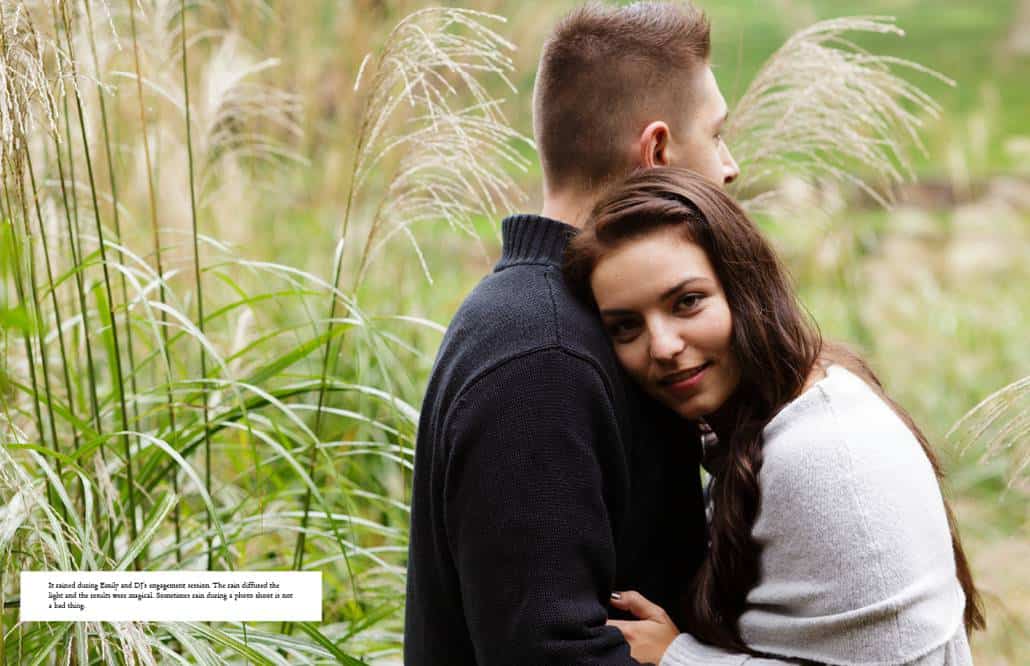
(639, 328)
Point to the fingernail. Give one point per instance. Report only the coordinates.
(616, 595)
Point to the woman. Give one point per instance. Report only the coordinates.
(830, 540)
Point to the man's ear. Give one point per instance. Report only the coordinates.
(654, 144)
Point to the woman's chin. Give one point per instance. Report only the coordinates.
(693, 414)
(690, 410)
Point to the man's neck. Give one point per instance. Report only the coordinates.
(572, 208)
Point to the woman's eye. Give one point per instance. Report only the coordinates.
(718, 136)
(622, 331)
(688, 301)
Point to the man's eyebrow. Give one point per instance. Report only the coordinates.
(723, 118)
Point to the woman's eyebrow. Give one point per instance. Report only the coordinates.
(672, 291)
(665, 295)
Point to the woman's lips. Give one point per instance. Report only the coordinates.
(685, 381)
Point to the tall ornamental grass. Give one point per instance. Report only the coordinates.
(171, 401)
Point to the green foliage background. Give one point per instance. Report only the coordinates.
(933, 291)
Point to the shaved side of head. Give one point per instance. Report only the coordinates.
(604, 73)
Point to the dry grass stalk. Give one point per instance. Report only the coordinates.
(1001, 424)
(26, 101)
(450, 163)
(824, 108)
(240, 118)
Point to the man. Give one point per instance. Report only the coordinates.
(543, 480)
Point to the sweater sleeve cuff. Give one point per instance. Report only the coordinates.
(686, 650)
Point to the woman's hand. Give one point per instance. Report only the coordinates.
(649, 636)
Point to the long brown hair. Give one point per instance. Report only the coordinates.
(776, 344)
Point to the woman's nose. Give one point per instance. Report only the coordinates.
(666, 344)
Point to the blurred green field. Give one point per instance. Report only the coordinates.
(933, 291)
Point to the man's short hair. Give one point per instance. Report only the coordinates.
(606, 70)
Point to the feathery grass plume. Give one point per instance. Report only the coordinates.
(823, 108)
(445, 162)
(241, 119)
(241, 127)
(25, 86)
(1000, 423)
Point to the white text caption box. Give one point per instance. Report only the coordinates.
(171, 596)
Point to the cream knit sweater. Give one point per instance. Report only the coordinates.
(856, 565)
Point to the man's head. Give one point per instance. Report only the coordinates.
(625, 87)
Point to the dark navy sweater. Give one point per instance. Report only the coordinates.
(543, 478)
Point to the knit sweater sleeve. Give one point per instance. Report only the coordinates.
(688, 651)
(533, 445)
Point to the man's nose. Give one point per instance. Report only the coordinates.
(730, 170)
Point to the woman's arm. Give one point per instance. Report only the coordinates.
(654, 639)
(687, 651)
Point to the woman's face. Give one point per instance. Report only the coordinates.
(669, 321)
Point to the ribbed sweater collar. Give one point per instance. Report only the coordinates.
(532, 239)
